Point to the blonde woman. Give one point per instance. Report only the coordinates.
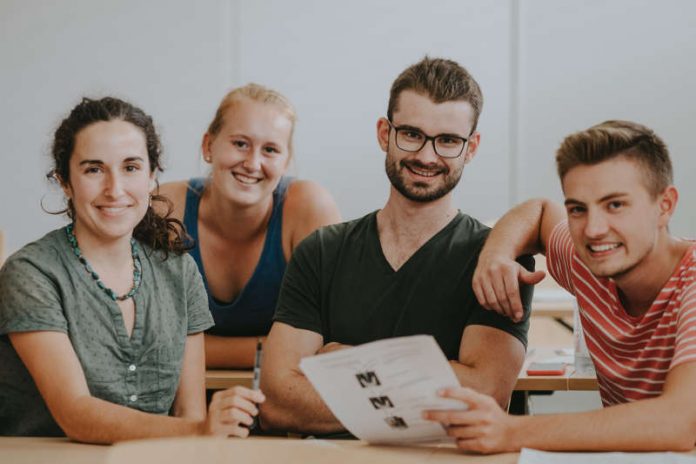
(247, 217)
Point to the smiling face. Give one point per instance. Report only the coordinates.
(613, 219)
(424, 176)
(109, 181)
(250, 153)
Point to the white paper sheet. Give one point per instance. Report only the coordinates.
(530, 456)
(379, 390)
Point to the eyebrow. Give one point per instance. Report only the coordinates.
(254, 139)
(613, 195)
(418, 129)
(610, 196)
(447, 134)
(127, 160)
(406, 126)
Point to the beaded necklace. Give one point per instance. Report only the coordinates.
(137, 266)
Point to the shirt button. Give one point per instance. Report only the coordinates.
(131, 367)
(133, 398)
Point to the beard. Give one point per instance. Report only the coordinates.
(420, 191)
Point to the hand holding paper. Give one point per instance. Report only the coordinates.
(379, 390)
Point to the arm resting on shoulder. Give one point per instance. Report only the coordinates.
(525, 229)
(292, 403)
(490, 360)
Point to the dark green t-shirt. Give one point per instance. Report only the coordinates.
(44, 287)
(339, 284)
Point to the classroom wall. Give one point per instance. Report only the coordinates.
(547, 68)
(583, 62)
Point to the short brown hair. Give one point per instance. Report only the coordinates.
(612, 139)
(440, 80)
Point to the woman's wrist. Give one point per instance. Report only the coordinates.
(200, 427)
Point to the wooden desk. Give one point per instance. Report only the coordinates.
(218, 379)
(255, 450)
(570, 381)
(38, 450)
(553, 309)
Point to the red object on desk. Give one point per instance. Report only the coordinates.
(542, 368)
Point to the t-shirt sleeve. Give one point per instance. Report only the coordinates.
(483, 316)
(29, 298)
(299, 301)
(199, 317)
(685, 343)
(559, 256)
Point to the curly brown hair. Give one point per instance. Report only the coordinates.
(158, 231)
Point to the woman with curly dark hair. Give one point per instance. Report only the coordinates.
(101, 321)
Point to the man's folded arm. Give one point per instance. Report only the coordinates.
(292, 404)
(489, 361)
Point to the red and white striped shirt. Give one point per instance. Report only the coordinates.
(632, 355)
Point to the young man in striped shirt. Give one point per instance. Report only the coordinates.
(636, 289)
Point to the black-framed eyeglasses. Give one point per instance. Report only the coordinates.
(413, 140)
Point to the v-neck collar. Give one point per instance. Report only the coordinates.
(384, 262)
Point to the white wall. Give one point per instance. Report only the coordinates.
(585, 62)
(547, 68)
(337, 60)
(169, 58)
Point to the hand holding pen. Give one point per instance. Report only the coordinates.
(234, 412)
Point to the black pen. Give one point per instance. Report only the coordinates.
(257, 365)
(255, 383)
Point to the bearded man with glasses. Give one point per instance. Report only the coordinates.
(403, 270)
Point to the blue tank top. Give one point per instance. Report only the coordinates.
(251, 313)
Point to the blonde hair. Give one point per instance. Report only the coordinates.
(257, 93)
